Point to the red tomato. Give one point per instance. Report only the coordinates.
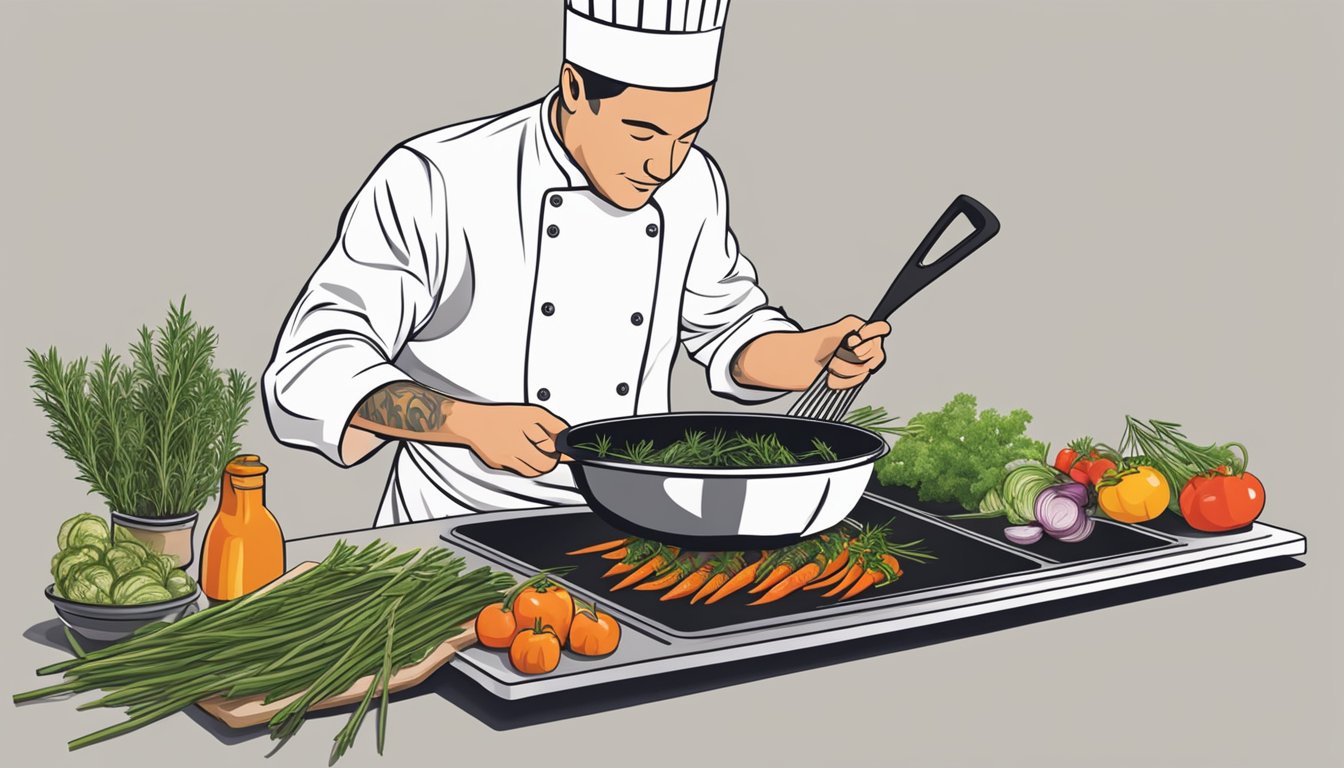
(1222, 502)
(1064, 461)
(1079, 471)
(1097, 468)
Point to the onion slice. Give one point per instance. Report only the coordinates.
(1082, 533)
(1061, 509)
(1023, 534)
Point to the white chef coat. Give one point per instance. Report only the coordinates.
(476, 261)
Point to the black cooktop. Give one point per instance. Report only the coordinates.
(541, 541)
(1108, 539)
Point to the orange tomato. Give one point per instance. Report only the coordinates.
(495, 626)
(549, 603)
(1135, 495)
(535, 651)
(594, 633)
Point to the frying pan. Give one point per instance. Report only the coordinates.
(710, 509)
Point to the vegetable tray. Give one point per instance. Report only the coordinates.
(975, 574)
(247, 711)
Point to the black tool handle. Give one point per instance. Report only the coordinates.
(914, 275)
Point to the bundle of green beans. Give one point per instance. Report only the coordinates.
(359, 612)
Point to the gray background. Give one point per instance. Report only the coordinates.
(1169, 176)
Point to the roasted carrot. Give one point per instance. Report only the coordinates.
(792, 583)
(739, 580)
(821, 583)
(618, 569)
(662, 582)
(603, 547)
(868, 579)
(711, 586)
(776, 575)
(642, 572)
(850, 576)
(894, 563)
(836, 565)
(691, 583)
(616, 554)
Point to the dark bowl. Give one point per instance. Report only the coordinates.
(107, 623)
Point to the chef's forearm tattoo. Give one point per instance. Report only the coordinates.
(407, 406)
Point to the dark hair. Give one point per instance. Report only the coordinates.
(597, 87)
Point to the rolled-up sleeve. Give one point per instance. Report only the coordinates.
(723, 307)
(369, 295)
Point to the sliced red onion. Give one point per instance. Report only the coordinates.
(1061, 509)
(1075, 491)
(1023, 534)
(1080, 534)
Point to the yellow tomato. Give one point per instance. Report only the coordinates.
(1138, 494)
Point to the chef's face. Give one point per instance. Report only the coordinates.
(634, 141)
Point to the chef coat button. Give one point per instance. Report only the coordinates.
(548, 309)
(543, 394)
(637, 319)
(556, 201)
(622, 388)
(553, 230)
(651, 230)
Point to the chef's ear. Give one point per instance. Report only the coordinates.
(571, 88)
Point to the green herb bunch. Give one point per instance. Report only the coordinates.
(363, 612)
(955, 454)
(151, 436)
(720, 449)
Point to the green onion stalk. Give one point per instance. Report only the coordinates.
(361, 612)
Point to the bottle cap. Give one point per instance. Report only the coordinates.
(247, 465)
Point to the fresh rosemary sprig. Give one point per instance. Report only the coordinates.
(150, 436)
(695, 449)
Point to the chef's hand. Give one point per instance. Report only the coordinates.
(857, 346)
(519, 438)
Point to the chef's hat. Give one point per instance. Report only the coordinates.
(647, 43)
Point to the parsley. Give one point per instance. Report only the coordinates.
(955, 455)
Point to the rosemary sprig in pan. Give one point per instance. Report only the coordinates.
(719, 449)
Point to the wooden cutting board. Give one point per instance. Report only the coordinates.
(246, 711)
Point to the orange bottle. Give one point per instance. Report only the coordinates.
(244, 549)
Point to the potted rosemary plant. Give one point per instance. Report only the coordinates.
(150, 436)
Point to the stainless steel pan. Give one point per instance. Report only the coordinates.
(745, 508)
(730, 508)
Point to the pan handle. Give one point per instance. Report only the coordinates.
(914, 276)
(562, 445)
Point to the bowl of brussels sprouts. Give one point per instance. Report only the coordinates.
(107, 584)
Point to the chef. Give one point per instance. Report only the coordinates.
(496, 280)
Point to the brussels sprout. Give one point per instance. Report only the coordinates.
(121, 533)
(180, 584)
(163, 565)
(128, 585)
(55, 561)
(153, 593)
(99, 544)
(98, 575)
(80, 528)
(138, 547)
(72, 557)
(86, 592)
(123, 559)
